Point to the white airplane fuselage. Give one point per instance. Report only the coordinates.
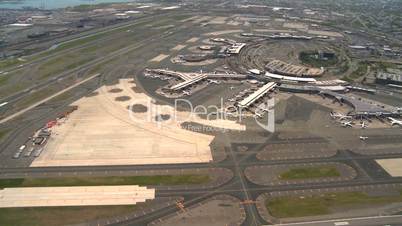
(395, 122)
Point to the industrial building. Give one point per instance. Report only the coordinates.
(189, 82)
(288, 78)
(188, 79)
(249, 100)
(236, 48)
(283, 68)
(360, 107)
(389, 78)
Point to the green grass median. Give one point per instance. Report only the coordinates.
(3, 133)
(56, 216)
(9, 63)
(361, 70)
(284, 207)
(157, 180)
(310, 173)
(313, 58)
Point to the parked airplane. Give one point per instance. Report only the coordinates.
(340, 116)
(258, 115)
(3, 104)
(395, 122)
(186, 93)
(347, 124)
(231, 99)
(214, 81)
(364, 125)
(363, 138)
(264, 109)
(232, 88)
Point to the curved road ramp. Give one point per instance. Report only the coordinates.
(74, 196)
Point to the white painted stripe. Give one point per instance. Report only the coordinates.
(337, 220)
(341, 223)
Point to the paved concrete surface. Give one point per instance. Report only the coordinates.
(74, 196)
(103, 131)
(392, 166)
